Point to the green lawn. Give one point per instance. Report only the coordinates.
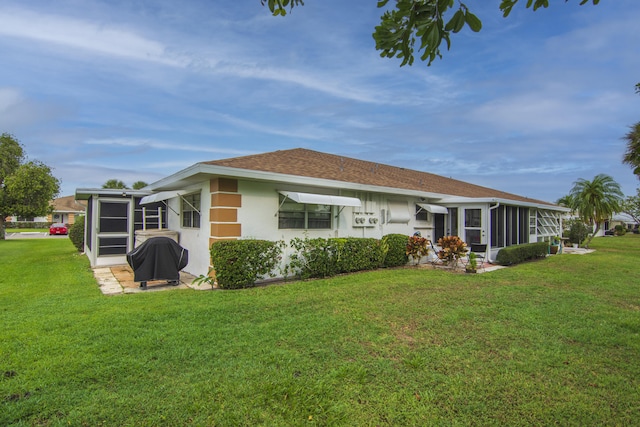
(555, 342)
(27, 230)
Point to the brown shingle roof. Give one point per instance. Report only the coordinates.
(68, 204)
(314, 164)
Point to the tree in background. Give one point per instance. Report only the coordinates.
(26, 188)
(138, 185)
(631, 206)
(595, 201)
(411, 20)
(632, 155)
(120, 185)
(566, 201)
(114, 183)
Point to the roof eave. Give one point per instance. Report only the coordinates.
(85, 193)
(199, 171)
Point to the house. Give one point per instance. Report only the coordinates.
(296, 193)
(66, 209)
(63, 209)
(623, 219)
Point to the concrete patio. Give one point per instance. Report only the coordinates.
(119, 280)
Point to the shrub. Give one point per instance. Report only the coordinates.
(578, 231)
(519, 253)
(357, 254)
(240, 263)
(472, 266)
(312, 258)
(620, 230)
(417, 247)
(327, 257)
(396, 250)
(76, 233)
(453, 248)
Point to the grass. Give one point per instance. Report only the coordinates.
(26, 230)
(554, 342)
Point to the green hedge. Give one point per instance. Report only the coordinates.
(520, 253)
(240, 263)
(357, 254)
(76, 233)
(327, 257)
(27, 224)
(396, 250)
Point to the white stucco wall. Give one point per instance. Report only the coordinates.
(195, 240)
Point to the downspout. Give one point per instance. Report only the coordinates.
(489, 228)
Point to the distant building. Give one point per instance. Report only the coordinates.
(65, 210)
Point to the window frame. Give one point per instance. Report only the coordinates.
(304, 216)
(190, 208)
(422, 215)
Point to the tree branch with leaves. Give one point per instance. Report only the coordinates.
(410, 21)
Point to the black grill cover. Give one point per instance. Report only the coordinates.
(159, 258)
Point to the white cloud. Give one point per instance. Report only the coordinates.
(85, 35)
(160, 145)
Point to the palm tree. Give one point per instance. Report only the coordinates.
(567, 202)
(632, 155)
(138, 185)
(595, 201)
(114, 183)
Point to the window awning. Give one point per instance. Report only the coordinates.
(436, 209)
(159, 197)
(321, 199)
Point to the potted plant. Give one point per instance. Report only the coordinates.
(472, 266)
(555, 245)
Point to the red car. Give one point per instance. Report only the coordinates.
(58, 229)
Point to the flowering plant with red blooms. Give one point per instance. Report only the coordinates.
(453, 248)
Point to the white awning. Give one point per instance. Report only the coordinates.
(159, 197)
(321, 199)
(436, 209)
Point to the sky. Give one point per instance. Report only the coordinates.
(138, 90)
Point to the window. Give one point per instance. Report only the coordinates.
(191, 210)
(114, 217)
(421, 214)
(149, 215)
(303, 216)
(472, 225)
(472, 217)
(509, 226)
(547, 223)
(453, 221)
(113, 227)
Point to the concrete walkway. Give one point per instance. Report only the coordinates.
(575, 251)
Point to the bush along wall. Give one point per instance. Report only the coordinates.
(357, 254)
(395, 249)
(519, 253)
(76, 233)
(327, 257)
(311, 258)
(241, 263)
